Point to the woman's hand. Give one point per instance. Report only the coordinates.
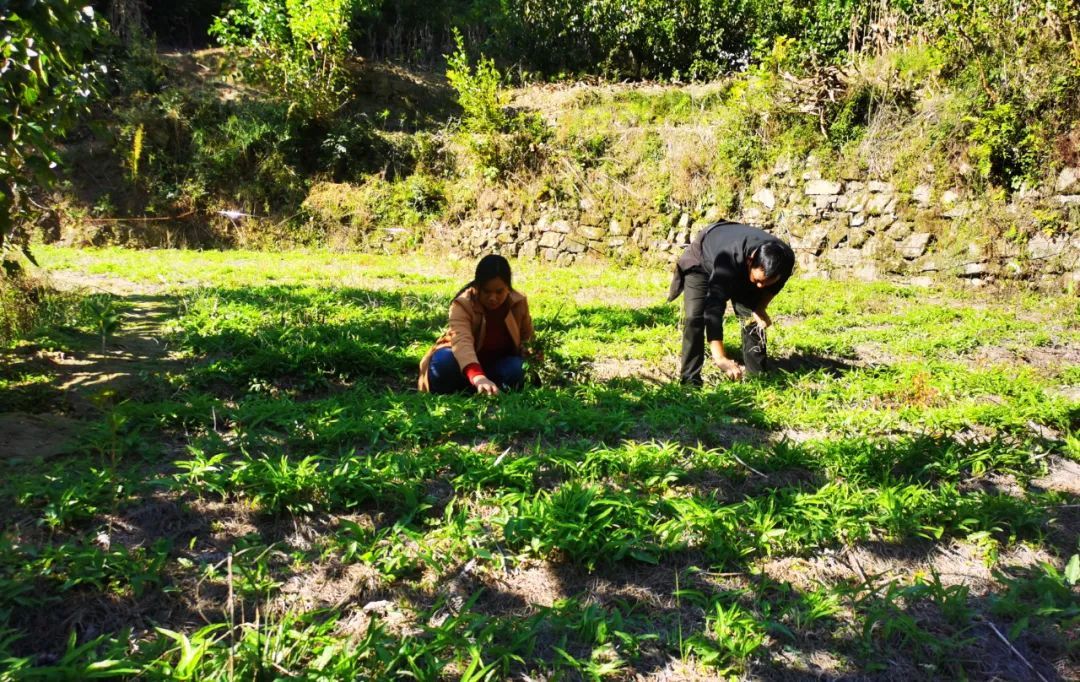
(532, 352)
(485, 386)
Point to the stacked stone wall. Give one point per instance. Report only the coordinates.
(839, 227)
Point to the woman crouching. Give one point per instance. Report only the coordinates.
(489, 322)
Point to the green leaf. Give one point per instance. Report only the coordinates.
(641, 555)
(1072, 570)
(30, 96)
(109, 668)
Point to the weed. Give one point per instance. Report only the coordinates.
(588, 523)
(291, 405)
(731, 638)
(1045, 597)
(104, 316)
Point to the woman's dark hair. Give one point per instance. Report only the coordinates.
(490, 267)
(776, 258)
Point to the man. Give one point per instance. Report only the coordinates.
(728, 262)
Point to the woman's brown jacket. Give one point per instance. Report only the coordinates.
(468, 326)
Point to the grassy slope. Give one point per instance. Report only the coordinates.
(899, 484)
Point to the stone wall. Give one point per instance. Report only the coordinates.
(839, 227)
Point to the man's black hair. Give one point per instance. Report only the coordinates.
(775, 258)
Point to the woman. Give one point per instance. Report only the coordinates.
(489, 322)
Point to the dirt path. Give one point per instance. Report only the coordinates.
(72, 387)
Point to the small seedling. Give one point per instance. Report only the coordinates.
(105, 317)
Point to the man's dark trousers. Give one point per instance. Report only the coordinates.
(701, 313)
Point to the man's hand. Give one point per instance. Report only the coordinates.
(485, 386)
(731, 369)
(761, 318)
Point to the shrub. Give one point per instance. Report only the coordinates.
(298, 46)
(478, 91)
(1003, 147)
(1020, 70)
(497, 141)
(850, 120)
(354, 215)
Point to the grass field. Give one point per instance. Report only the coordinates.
(216, 465)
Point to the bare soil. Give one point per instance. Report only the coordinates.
(43, 435)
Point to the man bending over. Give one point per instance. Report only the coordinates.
(728, 262)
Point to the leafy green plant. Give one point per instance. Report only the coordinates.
(1001, 146)
(478, 91)
(892, 619)
(47, 83)
(1045, 596)
(298, 45)
(104, 315)
(732, 636)
(499, 141)
(853, 114)
(546, 362)
(992, 48)
(69, 495)
(100, 657)
(588, 523)
(291, 641)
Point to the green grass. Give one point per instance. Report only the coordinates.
(284, 441)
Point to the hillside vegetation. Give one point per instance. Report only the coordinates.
(979, 97)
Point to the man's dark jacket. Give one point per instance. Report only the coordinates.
(721, 250)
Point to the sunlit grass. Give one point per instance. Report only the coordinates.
(293, 404)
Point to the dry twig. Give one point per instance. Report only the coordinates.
(748, 466)
(1009, 644)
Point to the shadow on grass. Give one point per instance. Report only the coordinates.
(667, 619)
(63, 368)
(304, 340)
(252, 347)
(806, 363)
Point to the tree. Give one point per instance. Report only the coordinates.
(45, 81)
(297, 46)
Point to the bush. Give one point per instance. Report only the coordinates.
(376, 210)
(1003, 147)
(1021, 71)
(478, 91)
(298, 46)
(662, 39)
(852, 115)
(498, 142)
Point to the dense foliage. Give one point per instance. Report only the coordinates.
(991, 85)
(1022, 67)
(298, 46)
(46, 80)
(646, 38)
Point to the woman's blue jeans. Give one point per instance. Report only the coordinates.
(445, 376)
